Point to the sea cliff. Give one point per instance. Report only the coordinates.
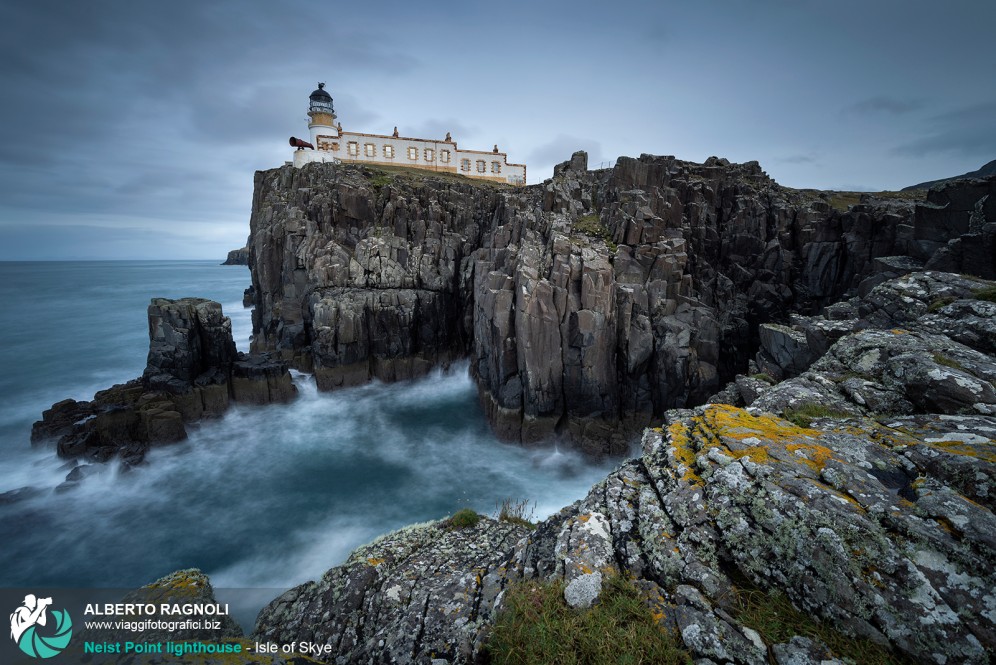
(589, 304)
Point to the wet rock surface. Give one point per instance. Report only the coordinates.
(193, 371)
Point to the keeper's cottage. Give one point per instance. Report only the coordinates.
(330, 143)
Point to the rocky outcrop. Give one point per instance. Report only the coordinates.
(193, 371)
(589, 304)
(443, 614)
(882, 530)
(871, 510)
(987, 169)
(237, 257)
(956, 228)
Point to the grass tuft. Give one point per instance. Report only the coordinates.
(591, 226)
(942, 359)
(774, 617)
(535, 625)
(988, 294)
(764, 376)
(380, 180)
(938, 303)
(804, 414)
(517, 512)
(464, 518)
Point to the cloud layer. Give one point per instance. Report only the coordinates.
(142, 123)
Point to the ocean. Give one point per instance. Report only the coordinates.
(264, 497)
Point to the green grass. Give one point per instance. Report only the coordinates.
(762, 376)
(517, 512)
(842, 201)
(381, 171)
(536, 626)
(938, 303)
(591, 226)
(777, 620)
(988, 294)
(942, 359)
(381, 179)
(804, 414)
(462, 519)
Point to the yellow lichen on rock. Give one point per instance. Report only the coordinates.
(684, 457)
(736, 423)
(812, 455)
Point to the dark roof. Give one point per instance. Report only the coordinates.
(321, 95)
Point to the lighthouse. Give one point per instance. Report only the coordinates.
(329, 144)
(322, 115)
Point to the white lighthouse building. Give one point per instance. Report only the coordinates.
(330, 143)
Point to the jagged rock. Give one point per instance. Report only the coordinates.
(934, 354)
(956, 227)
(193, 372)
(631, 290)
(259, 379)
(882, 530)
(187, 337)
(784, 352)
(420, 616)
(893, 372)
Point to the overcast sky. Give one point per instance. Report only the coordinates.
(131, 129)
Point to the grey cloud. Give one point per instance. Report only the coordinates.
(883, 104)
(438, 129)
(969, 130)
(562, 146)
(797, 159)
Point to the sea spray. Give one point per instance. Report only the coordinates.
(272, 496)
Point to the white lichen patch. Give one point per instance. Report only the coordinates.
(583, 590)
(597, 525)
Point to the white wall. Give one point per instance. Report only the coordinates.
(515, 174)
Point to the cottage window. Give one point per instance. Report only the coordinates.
(353, 148)
(430, 154)
(464, 164)
(389, 151)
(444, 156)
(413, 153)
(496, 167)
(480, 166)
(369, 149)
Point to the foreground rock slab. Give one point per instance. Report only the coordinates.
(883, 530)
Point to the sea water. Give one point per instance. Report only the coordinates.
(262, 497)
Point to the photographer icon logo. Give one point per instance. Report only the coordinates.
(53, 637)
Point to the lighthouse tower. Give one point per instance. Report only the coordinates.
(322, 115)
